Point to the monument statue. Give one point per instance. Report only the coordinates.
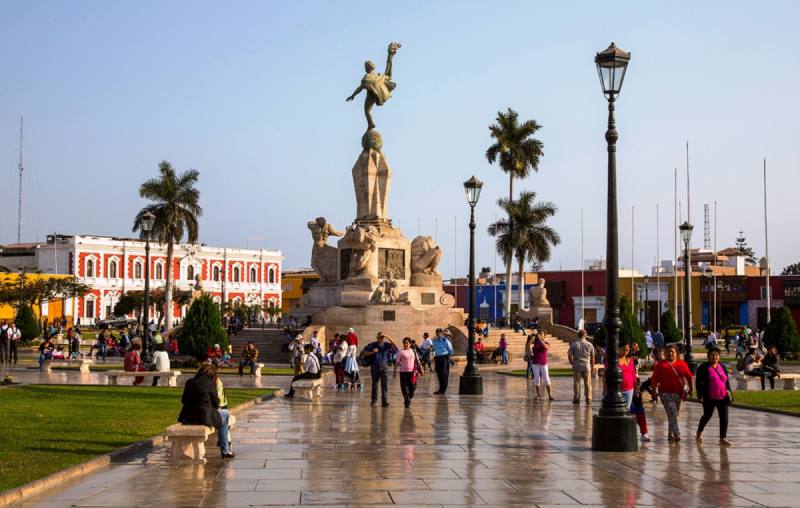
(538, 295)
(378, 86)
(197, 290)
(323, 256)
(361, 241)
(425, 256)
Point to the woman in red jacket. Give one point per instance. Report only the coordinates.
(672, 380)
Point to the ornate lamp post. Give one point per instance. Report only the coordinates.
(686, 236)
(147, 226)
(613, 427)
(471, 382)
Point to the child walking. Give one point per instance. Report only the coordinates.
(637, 409)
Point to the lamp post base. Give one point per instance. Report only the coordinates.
(614, 434)
(470, 385)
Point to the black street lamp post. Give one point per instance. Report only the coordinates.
(613, 427)
(147, 225)
(686, 236)
(471, 382)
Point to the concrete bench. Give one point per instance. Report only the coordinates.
(82, 363)
(188, 442)
(598, 370)
(257, 371)
(789, 381)
(112, 376)
(307, 389)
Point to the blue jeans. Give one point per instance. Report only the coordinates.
(530, 369)
(42, 358)
(504, 357)
(102, 351)
(628, 396)
(222, 432)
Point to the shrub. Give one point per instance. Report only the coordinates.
(669, 329)
(202, 328)
(629, 331)
(27, 323)
(781, 332)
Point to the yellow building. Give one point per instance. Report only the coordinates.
(648, 291)
(294, 284)
(50, 310)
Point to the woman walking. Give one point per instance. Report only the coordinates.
(541, 374)
(714, 391)
(408, 364)
(672, 381)
(628, 367)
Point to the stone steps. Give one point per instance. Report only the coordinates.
(269, 342)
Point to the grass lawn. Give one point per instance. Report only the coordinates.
(783, 400)
(46, 428)
(557, 372)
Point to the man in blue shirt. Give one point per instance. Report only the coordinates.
(379, 351)
(442, 350)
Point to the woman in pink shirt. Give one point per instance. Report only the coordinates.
(541, 374)
(628, 368)
(408, 364)
(714, 391)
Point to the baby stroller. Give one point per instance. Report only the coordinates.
(351, 377)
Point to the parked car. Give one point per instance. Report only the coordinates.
(117, 323)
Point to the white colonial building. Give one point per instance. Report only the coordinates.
(111, 266)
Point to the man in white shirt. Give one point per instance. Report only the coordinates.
(425, 348)
(160, 362)
(312, 369)
(14, 336)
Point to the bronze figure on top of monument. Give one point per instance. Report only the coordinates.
(376, 279)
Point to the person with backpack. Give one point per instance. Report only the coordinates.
(378, 353)
(714, 392)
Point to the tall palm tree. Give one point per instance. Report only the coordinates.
(530, 239)
(174, 203)
(518, 152)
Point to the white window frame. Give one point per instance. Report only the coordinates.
(89, 303)
(159, 265)
(138, 269)
(113, 263)
(271, 275)
(253, 274)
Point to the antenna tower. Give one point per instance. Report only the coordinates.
(706, 227)
(21, 169)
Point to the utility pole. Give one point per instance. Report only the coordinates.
(21, 169)
(766, 245)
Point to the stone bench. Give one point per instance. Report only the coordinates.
(306, 389)
(112, 376)
(598, 370)
(83, 364)
(257, 371)
(188, 442)
(789, 381)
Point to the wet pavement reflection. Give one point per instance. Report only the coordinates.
(500, 449)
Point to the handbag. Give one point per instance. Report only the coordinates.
(728, 393)
(686, 388)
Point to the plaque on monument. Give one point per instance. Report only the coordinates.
(391, 264)
(389, 315)
(428, 299)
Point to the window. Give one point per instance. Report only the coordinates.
(589, 289)
(112, 269)
(159, 271)
(88, 310)
(271, 276)
(764, 293)
(137, 270)
(287, 286)
(253, 275)
(190, 272)
(235, 274)
(90, 269)
(216, 273)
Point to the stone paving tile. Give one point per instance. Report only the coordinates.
(501, 449)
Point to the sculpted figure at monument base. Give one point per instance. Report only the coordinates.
(425, 256)
(323, 256)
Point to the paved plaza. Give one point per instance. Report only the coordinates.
(501, 449)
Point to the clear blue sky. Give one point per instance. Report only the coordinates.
(252, 95)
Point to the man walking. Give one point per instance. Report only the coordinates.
(14, 336)
(425, 348)
(581, 357)
(379, 352)
(442, 350)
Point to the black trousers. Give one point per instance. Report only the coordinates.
(379, 375)
(442, 371)
(304, 375)
(708, 412)
(407, 386)
(4, 350)
(760, 373)
(13, 353)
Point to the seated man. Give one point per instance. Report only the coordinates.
(45, 352)
(312, 369)
(752, 367)
(249, 357)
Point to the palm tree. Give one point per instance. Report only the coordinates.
(519, 153)
(174, 203)
(530, 239)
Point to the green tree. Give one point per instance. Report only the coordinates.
(530, 238)
(669, 329)
(133, 301)
(518, 153)
(630, 332)
(793, 269)
(54, 288)
(175, 206)
(747, 251)
(27, 323)
(201, 328)
(781, 332)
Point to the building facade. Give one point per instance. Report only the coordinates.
(113, 266)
